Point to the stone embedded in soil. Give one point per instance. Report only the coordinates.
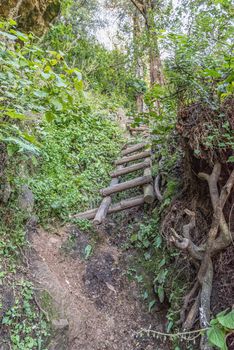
(60, 334)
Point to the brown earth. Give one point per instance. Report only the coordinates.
(103, 307)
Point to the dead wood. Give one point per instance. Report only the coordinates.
(137, 156)
(124, 204)
(133, 148)
(149, 194)
(131, 168)
(139, 181)
(139, 129)
(106, 202)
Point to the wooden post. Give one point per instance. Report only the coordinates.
(149, 194)
(139, 181)
(131, 168)
(124, 204)
(106, 202)
(137, 156)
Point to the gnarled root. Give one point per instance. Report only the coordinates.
(219, 237)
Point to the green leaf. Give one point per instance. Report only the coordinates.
(88, 251)
(45, 75)
(49, 116)
(161, 294)
(21, 36)
(15, 115)
(151, 304)
(60, 82)
(216, 336)
(8, 36)
(231, 159)
(39, 93)
(57, 104)
(134, 238)
(227, 321)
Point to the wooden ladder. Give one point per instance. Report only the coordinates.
(141, 151)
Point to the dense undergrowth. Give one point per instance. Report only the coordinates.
(56, 140)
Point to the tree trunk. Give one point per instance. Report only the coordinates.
(156, 75)
(137, 59)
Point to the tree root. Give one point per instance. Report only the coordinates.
(157, 188)
(219, 237)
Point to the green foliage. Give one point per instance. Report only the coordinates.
(35, 86)
(155, 269)
(27, 330)
(46, 116)
(75, 160)
(220, 326)
(105, 71)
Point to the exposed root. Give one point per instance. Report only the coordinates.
(187, 301)
(157, 188)
(219, 237)
(192, 315)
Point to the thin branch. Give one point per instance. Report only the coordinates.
(139, 8)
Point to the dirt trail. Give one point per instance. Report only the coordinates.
(103, 308)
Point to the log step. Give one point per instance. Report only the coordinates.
(133, 148)
(149, 194)
(131, 168)
(106, 202)
(137, 156)
(139, 181)
(139, 129)
(124, 204)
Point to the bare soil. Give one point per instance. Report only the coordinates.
(103, 307)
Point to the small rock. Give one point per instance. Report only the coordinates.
(60, 329)
(26, 199)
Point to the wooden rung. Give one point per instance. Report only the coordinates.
(139, 181)
(139, 129)
(89, 214)
(149, 194)
(140, 155)
(133, 148)
(146, 163)
(124, 204)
